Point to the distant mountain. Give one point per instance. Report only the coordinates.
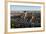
(26, 11)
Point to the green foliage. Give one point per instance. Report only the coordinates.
(12, 22)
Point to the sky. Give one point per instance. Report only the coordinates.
(23, 8)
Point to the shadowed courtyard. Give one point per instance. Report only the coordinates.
(25, 19)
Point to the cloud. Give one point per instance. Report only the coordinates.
(21, 7)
